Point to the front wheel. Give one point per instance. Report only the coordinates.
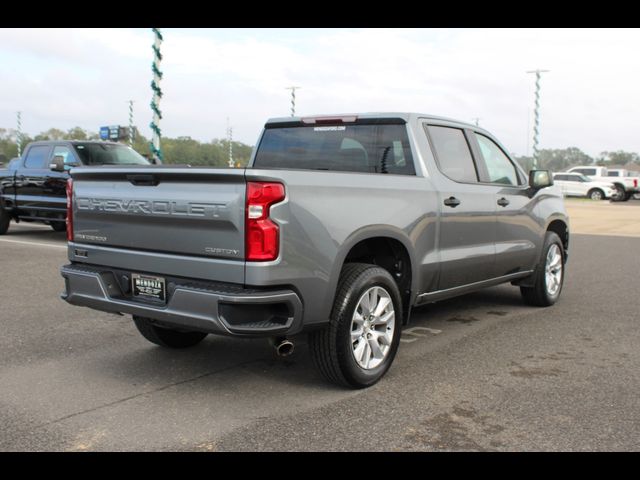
(620, 194)
(548, 276)
(358, 346)
(166, 337)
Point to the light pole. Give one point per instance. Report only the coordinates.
(156, 152)
(131, 123)
(230, 139)
(293, 99)
(19, 133)
(536, 116)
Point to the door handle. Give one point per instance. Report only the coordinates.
(452, 202)
(503, 202)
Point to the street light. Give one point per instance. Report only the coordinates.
(293, 99)
(536, 115)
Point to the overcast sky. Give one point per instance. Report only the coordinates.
(66, 77)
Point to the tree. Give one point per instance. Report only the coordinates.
(556, 160)
(619, 157)
(525, 162)
(76, 133)
(51, 134)
(180, 150)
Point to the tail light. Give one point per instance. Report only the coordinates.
(635, 183)
(262, 235)
(70, 210)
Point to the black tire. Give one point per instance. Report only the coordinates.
(331, 347)
(538, 294)
(59, 226)
(596, 194)
(166, 337)
(5, 220)
(628, 196)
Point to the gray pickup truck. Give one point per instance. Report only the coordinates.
(339, 226)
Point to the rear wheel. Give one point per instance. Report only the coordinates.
(5, 220)
(595, 194)
(166, 337)
(59, 226)
(548, 276)
(358, 346)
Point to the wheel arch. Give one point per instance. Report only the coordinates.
(560, 227)
(378, 244)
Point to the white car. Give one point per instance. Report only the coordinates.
(578, 185)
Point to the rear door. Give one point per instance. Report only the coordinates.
(467, 210)
(30, 181)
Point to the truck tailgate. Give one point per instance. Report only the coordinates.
(170, 211)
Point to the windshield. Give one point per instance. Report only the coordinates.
(584, 179)
(108, 154)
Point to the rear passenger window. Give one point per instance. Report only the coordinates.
(36, 157)
(453, 154)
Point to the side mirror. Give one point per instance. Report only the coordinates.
(57, 164)
(540, 179)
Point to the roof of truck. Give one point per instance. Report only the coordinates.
(402, 115)
(73, 142)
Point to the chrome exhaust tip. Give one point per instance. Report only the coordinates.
(283, 346)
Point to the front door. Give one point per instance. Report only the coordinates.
(517, 231)
(54, 191)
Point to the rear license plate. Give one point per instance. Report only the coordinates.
(148, 287)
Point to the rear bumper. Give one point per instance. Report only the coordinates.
(218, 308)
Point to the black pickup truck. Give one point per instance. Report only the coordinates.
(33, 187)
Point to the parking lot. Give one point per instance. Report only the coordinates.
(480, 372)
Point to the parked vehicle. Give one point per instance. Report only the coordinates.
(578, 185)
(338, 228)
(626, 187)
(33, 187)
(633, 178)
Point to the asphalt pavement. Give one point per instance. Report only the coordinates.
(480, 372)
